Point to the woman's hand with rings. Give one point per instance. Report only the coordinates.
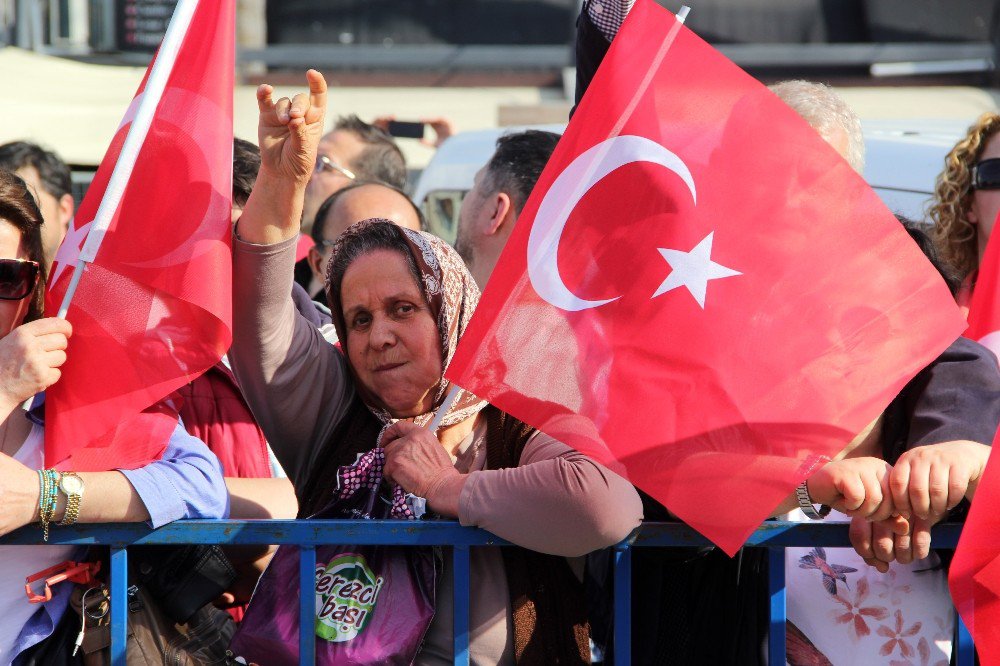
(415, 460)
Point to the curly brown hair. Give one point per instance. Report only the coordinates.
(18, 207)
(953, 234)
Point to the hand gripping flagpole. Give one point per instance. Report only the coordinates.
(151, 94)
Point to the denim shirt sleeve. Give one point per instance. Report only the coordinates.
(186, 482)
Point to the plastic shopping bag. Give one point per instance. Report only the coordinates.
(373, 603)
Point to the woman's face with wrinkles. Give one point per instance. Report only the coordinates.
(392, 343)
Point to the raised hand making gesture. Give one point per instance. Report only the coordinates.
(288, 131)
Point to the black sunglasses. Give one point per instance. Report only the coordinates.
(17, 279)
(986, 175)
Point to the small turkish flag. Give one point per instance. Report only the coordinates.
(153, 308)
(700, 293)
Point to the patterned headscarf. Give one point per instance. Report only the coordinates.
(452, 296)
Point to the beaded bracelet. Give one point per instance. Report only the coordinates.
(47, 498)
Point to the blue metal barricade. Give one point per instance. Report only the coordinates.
(775, 536)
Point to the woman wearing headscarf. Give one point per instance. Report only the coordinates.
(401, 301)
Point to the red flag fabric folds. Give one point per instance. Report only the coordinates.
(984, 310)
(154, 308)
(700, 293)
(974, 575)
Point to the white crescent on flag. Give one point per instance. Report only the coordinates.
(562, 198)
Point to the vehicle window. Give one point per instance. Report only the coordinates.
(81, 177)
(911, 204)
(440, 209)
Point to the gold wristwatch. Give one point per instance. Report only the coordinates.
(71, 486)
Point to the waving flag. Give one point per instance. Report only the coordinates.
(738, 302)
(152, 309)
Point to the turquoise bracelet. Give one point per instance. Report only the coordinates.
(47, 498)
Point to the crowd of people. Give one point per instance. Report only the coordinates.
(346, 316)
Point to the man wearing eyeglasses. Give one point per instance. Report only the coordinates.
(353, 151)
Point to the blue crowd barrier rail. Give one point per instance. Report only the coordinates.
(308, 534)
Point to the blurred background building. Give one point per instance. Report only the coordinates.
(485, 63)
(503, 42)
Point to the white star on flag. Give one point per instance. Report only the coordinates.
(693, 270)
(69, 249)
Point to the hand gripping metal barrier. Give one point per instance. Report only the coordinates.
(308, 534)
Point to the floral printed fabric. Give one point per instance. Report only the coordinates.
(847, 613)
(366, 473)
(608, 15)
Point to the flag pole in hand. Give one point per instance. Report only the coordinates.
(152, 94)
(153, 230)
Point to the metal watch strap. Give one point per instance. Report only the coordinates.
(73, 502)
(806, 504)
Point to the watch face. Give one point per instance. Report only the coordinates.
(71, 485)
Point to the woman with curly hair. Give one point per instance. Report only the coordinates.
(967, 200)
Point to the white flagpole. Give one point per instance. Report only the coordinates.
(151, 96)
(443, 409)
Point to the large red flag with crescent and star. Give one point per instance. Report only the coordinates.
(153, 308)
(700, 293)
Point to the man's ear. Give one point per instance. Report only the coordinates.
(66, 209)
(503, 212)
(315, 260)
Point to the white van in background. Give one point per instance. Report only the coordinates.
(902, 161)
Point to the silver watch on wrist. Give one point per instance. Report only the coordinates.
(807, 506)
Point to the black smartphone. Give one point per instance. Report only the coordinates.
(406, 130)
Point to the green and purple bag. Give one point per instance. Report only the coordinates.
(373, 603)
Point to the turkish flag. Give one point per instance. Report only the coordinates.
(153, 310)
(984, 310)
(700, 293)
